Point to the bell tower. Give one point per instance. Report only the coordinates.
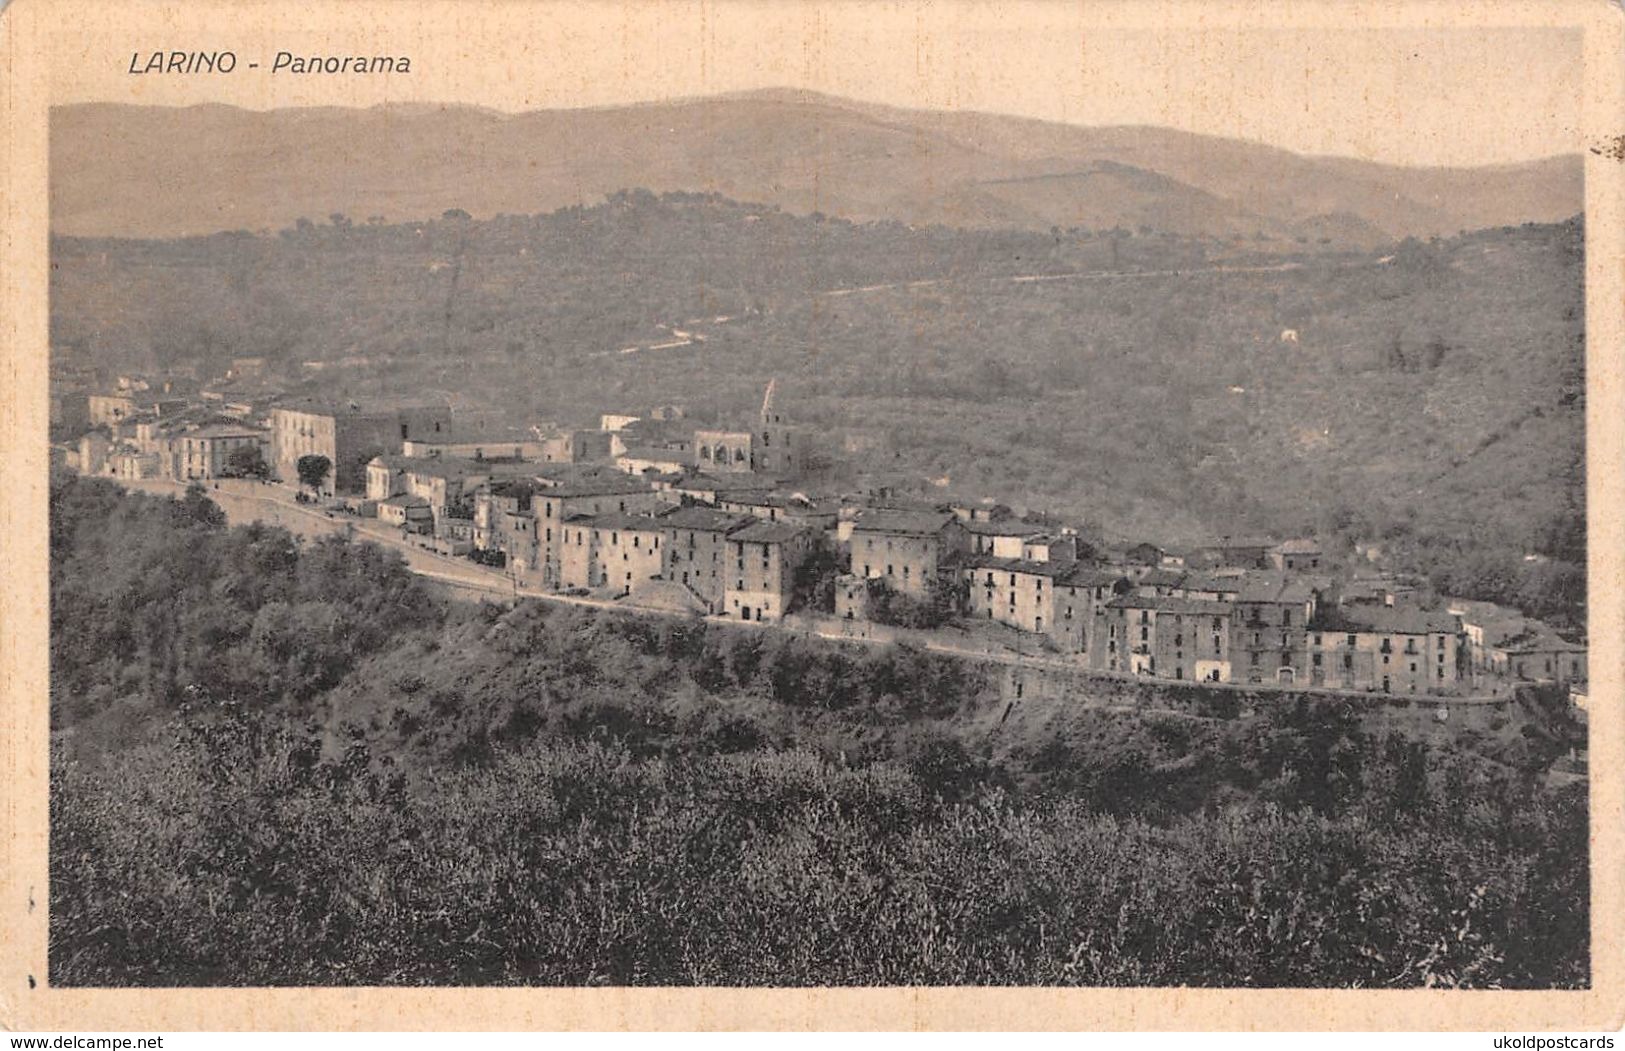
(776, 451)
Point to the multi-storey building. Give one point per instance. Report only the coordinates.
(610, 552)
(1012, 591)
(696, 553)
(206, 452)
(1270, 630)
(349, 435)
(1239, 552)
(1002, 537)
(553, 506)
(504, 521)
(1389, 650)
(907, 549)
(761, 576)
(1167, 637)
(445, 482)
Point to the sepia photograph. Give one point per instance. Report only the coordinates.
(803, 496)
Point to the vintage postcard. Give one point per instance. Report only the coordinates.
(812, 515)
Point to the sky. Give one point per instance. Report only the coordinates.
(1416, 94)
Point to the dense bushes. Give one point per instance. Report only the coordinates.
(283, 763)
(581, 864)
(154, 601)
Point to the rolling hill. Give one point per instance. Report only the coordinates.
(132, 171)
(1434, 404)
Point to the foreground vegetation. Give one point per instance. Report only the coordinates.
(286, 763)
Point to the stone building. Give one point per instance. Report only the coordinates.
(1536, 655)
(206, 452)
(1166, 637)
(1270, 642)
(640, 460)
(1374, 648)
(504, 521)
(1301, 554)
(1012, 591)
(552, 507)
(723, 452)
(611, 552)
(1238, 552)
(778, 452)
(761, 576)
(1002, 537)
(696, 554)
(349, 435)
(907, 549)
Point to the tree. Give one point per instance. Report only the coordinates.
(195, 507)
(313, 471)
(813, 583)
(246, 461)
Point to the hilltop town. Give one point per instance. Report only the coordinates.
(652, 512)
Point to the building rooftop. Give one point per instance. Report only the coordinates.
(706, 519)
(224, 430)
(369, 407)
(1082, 575)
(405, 500)
(1299, 546)
(916, 523)
(1539, 640)
(1198, 581)
(1273, 587)
(615, 484)
(1005, 527)
(1167, 604)
(766, 498)
(1052, 570)
(710, 483)
(767, 533)
(1384, 620)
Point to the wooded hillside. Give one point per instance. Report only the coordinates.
(284, 763)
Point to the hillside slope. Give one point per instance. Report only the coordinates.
(149, 171)
(1433, 403)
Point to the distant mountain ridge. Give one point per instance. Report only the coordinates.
(135, 171)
